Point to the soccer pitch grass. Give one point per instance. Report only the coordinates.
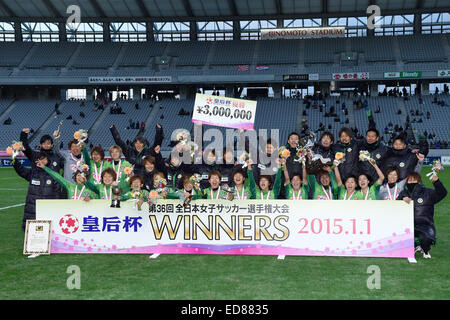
(211, 277)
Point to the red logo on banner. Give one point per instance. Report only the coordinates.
(69, 224)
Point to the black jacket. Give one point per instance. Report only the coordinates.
(313, 167)
(132, 155)
(377, 152)
(204, 170)
(404, 160)
(424, 201)
(55, 162)
(227, 171)
(175, 175)
(293, 167)
(40, 187)
(350, 165)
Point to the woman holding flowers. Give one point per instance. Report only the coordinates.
(369, 191)
(77, 190)
(140, 149)
(191, 189)
(136, 192)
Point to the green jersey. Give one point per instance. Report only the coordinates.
(138, 194)
(212, 194)
(95, 169)
(323, 193)
(270, 194)
(371, 194)
(102, 191)
(121, 176)
(172, 194)
(344, 195)
(292, 194)
(74, 191)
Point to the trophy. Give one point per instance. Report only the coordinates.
(229, 190)
(115, 202)
(57, 133)
(186, 200)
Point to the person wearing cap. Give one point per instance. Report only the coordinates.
(140, 147)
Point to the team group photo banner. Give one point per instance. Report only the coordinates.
(241, 227)
(224, 112)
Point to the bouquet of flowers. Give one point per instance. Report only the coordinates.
(183, 136)
(195, 179)
(160, 185)
(364, 155)
(80, 135)
(435, 168)
(137, 195)
(339, 157)
(153, 196)
(244, 158)
(128, 171)
(81, 166)
(284, 154)
(14, 150)
(193, 148)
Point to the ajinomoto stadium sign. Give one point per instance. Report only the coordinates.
(301, 33)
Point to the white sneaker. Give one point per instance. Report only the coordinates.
(418, 248)
(426, 255)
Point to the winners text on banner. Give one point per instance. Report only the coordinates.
(224, 112)
(247, 227)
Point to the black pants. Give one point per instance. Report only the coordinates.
(425, 242)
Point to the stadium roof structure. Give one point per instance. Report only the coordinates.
(176, 10)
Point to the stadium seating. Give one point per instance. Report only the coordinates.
(438, 123)
(377, 54)
(283, 114)
(101, 134)
(37, 112)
